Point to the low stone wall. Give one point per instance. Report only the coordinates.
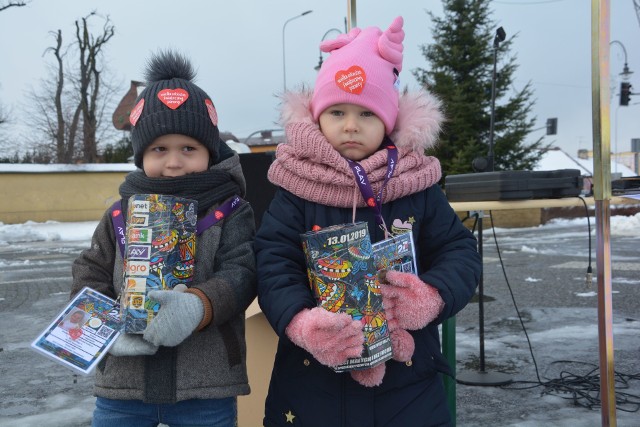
(66, 194)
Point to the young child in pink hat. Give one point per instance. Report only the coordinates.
(357, 119)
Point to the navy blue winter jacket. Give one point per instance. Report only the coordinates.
(305, 393)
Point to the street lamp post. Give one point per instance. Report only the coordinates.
(317, 67)
(284, 66)
(625, 75)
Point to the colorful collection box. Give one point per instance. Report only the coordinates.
(160, 247)
(344, 278)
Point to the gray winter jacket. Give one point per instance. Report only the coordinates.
(210, 363)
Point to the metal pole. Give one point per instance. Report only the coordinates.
(317, 67)
(481, 294)
(602, 195)
(351, 14)
(615, 140)
(482, 377)
(500, 36)
(490, 156)
(449, 353)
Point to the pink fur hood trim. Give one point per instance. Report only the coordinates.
(309, 167)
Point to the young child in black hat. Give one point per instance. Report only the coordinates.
(189, 365)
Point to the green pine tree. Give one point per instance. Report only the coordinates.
(120, 152)
(461, 62)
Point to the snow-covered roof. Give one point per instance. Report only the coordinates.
(556, 158)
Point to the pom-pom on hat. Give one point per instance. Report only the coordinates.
(362, 69)
(172, 103)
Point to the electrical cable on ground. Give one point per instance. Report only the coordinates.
(582, 389)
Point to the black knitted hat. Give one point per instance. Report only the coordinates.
(172, 103)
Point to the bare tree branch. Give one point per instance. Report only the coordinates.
(90, 48)
(69, 109)
(12, 4)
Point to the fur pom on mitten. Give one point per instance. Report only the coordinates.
(331, 338)
(402, 346)
(369, 377)
(408, 300)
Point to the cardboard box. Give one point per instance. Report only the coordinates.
(262, 343)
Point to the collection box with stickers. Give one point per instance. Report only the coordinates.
(344, 278)
(160, 247)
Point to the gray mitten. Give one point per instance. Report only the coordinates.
(179, 315)
(132, 345)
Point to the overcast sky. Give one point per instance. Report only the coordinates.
(237, 48)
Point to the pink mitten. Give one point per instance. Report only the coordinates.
(413, 303)
(331, 338)
(402, 344)
(369, 377)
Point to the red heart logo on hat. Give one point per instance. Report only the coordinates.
(211, 109)
(173, 98)
(135, 113)
(351, 80)
(218, 214)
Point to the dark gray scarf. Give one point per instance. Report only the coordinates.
(207, 188)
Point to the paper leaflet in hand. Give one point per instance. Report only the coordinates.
(396, 253)
(81, 334)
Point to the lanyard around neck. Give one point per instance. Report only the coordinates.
(374, 201)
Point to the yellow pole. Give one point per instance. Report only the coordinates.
(351, 15)
(602, 196)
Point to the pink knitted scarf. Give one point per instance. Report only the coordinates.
(309, 167)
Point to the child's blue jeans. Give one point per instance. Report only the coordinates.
(186, 413)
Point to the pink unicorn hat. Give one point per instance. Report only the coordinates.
(362, 69)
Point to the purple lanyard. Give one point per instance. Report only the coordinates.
(373, 201)
(223, 211)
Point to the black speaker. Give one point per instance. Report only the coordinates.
(260, 191)
(513, 185)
